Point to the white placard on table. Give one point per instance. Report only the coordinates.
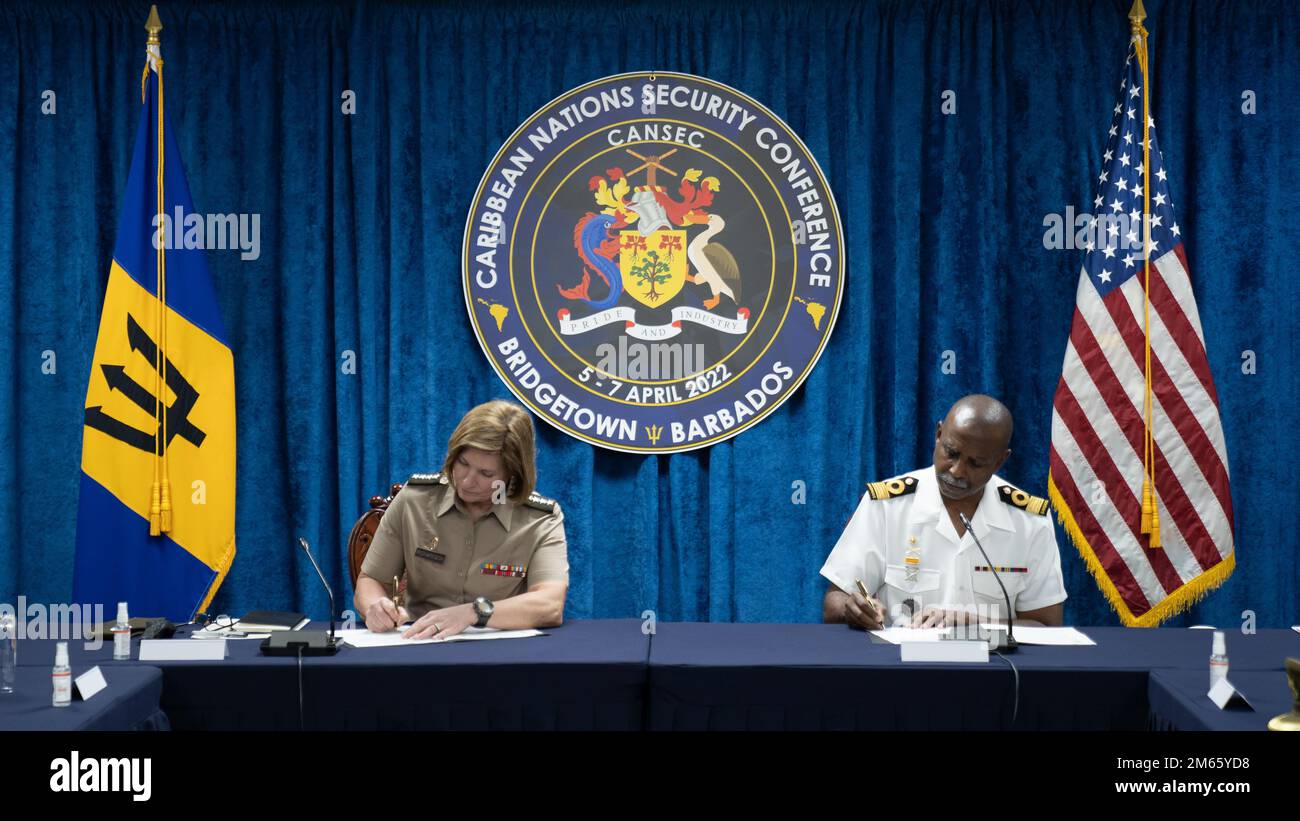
(963, 652)
(182, 650)
(90, 682)
(1224, 694)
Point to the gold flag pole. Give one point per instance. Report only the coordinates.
(160, 503)
(1150, 523)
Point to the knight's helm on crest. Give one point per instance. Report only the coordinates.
(652, 214)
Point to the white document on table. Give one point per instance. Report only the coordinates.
(213, 631)
(898, 635)
(1047, 636)
(393, 638)
(478, 633)
(1296, 627)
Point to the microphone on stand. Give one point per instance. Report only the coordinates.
(1011, 644)
(305, 642)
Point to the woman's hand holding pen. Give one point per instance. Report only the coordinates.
(382, 615)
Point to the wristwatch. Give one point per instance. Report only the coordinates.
(483, 609)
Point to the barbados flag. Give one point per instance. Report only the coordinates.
(156, 515)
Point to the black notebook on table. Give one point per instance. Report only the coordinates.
(267, 621)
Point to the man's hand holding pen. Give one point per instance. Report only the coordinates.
(862, 611)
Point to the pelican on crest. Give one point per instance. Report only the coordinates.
(714, 264)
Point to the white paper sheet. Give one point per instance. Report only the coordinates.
(898, 635)
(393, 638)
(206, 634)
(1047, 636)
(217, 631)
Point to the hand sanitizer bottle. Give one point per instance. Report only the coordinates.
(8, 653)
(1218, 659)
(62, 676)
(122, 634)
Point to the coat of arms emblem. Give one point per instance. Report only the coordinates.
(653, 262)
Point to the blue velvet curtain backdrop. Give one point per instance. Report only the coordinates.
(361, 219)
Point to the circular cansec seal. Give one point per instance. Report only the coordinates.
(653, 262)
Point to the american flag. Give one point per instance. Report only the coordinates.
(1098, 416)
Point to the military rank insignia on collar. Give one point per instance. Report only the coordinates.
(890, 488)
(427, 479)
(1016, 497)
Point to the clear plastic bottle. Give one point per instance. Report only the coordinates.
(122, 634)
(62, 676)
(1218, 659)
(8, 653)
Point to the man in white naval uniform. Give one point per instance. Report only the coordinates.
(908, 547)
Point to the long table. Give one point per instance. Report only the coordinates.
(1179, 701)
(586, 675)
(692, 676)
(130, 702)
(814, 676)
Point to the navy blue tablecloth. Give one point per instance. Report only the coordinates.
(1179, 701)
(581, 676)
(609, 675)
(1172, 647)
(130, 702)
(813, 676)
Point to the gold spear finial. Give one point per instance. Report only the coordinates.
(1136, 15)
(154, 25)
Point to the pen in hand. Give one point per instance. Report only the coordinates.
(397, 603)
(862, 588)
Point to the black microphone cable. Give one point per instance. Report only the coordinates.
(1015, 702)
(1011, 617)
(300, 722)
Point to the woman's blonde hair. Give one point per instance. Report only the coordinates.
(504, 428)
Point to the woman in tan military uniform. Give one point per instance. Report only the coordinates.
(479, 547)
